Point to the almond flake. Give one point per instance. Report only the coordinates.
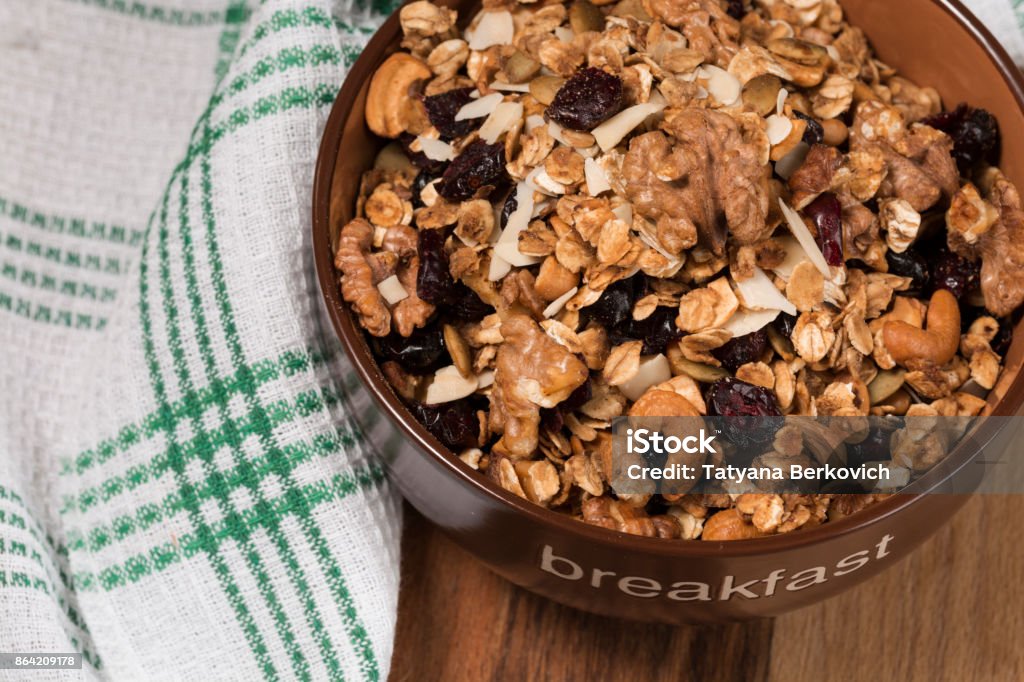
(780, 102)
(722, 85)
(556, 305)
(745, 322)
(779, 128)
(392, 290)
(654, 370)
(436, 150)
(504, 116)
(485, 379)
(759, 293)
(806, 239)
(449, 385)
(597, 180)
(480, 107)
(499, 268)
(787, 165)
(611, 132)
(490, 28)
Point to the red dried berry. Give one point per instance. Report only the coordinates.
(955, 274)
(826, 212)
(741, 350)
(734, 398)
(480, 164)
(441, 110)
(975, 134)
(589, 98)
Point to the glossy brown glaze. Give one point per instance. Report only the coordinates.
(934, 42)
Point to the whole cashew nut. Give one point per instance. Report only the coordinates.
(388, 95)
(935, 345)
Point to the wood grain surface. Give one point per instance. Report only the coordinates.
(950, 611)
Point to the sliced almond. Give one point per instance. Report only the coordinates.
(612, 131)
(392, 290)
(479, 108)
(490, 28)
(653, 369)
(449, 385)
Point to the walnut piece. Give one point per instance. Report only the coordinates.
(533, 371)
(357, 285)
(709, 184)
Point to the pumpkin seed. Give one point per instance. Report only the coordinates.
(885, 384)
(544, 88)
(762, 93)
(584, 16)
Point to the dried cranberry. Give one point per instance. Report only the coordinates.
(590, 97)
(466, 305)
(910, 264)
(734, 398)
(735, 9)
(955, 274)
(784, 324)
(975, 134)
(455, 424)
(441, 110)
(814, 134)
(508, 208)
(753, 411)
(656, 330)
(422, 352)
(874, 448)
(478, 165)
(826, 212)
(434, 283)
(741, 350)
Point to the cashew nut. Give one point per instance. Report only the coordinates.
(388, 96)
(936, 345)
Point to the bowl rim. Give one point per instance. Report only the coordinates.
(357, 350)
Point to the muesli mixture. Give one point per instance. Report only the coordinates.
(675, 207)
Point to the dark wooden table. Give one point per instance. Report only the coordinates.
(951, 611)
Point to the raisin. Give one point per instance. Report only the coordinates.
(508, 208)
(826, 212)
(577, 398)
(784, 324)
(590, 97)
(422, 352)
(741, 350)
(466, 305)
(441, 110)
(551, 420)
(656, 330)
(955, 274)
(455, 424)
(975, 134)
(814, 134)
(910, 264)
(434, 283)
(614, 307)
(735, 9)
(480, 164)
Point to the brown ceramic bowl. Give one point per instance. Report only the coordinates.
(934, 42)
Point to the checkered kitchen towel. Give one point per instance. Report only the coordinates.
(182, 494)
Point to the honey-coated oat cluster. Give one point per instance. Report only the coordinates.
(593, 209)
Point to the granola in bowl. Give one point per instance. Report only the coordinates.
(647, 208)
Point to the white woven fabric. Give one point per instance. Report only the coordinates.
(182, 494)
